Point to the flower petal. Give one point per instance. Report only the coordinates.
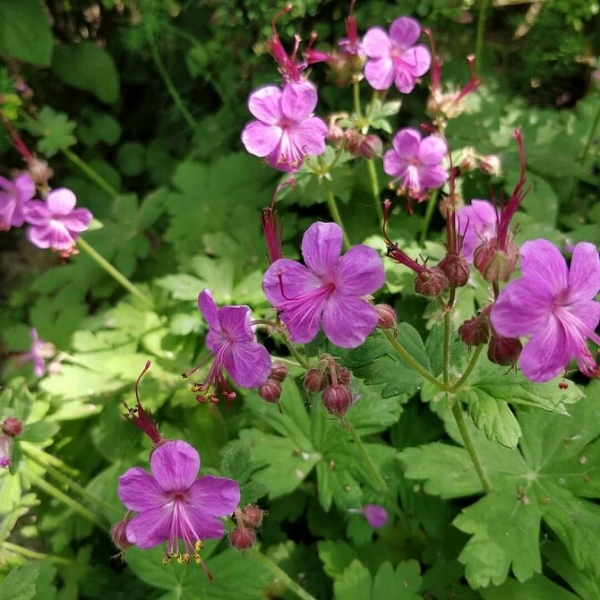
(79, 220)
(406, 143)
(36, 212)
(432, 177)
(404, 32)
(393, 165)
(209, 309)
(432, 150)
(261, 139)
(236, 323)
(584, 274)
(287, 280)
(379, 73)
(310, 136)
(321, 248)
(265, 104)
(298, 100)
(151, 527)
(347, 321)
(542, 262)
(175, 466)
(139, 491)
(61, 201)
(376, 43)
(359, 272)
(419, 59)
(248, 364)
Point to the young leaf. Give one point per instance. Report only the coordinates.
(56, 129)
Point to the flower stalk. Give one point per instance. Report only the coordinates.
(26, 552)
(334, 211)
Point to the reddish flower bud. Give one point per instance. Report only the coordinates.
(270, 390)
(469, 159)
(490, 165)
(352, 141)
(337, 399)
(495, 265)
(431, 282)
(371, 147)
(386, 316)
(279, 372)
(242, 538)
(11, 426)
(315, 381)
(119, 535)
(456, 269)
(343, 376)
(252, 516)
(475, 331)
(504, 351)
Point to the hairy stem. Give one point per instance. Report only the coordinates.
(114, 273)
(472, 363)
(470, 446)
(412, 362)
(92, 174)
(335, 213)
(280, 574)
(375, 189)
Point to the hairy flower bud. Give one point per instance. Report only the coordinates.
(337, 399)
(242, 538)
(279, 372)
(343, 375)
(252, 516)
(371, 147)
(270, 390)
(431, 282)
(504, 351)
(491, 165)
(495, 265)
(386, 316)
(119, 535)
(315, 381)
(11, 426)
(475, 331)
(456, 269)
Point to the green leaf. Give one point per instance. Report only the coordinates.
(354, 583)
(86, 66)
(39, 432)
(495, 418)
(57, 130)
(25, 32)
(402, 583)
(537, 588)
(30, 582)
(336, 555)
(98, 127)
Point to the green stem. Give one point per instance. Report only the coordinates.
(591, 137)
(470, 446)
(181, 107)
(280, 574)
(114, 273)
(286, 340)
(446, 349)
(412, 362)
(375, 473)
(92, 174)
(32, 554)
(335, 213)
(61, 497)
(431, 204)
(458, 383)
(356, 98)
(480, 33)
(31, 452)
(375, 189)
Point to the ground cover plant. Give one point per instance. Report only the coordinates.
(299, 301)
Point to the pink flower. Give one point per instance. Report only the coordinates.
(328, 291)
(231, 339)
(477, 223)
(416, 163)
(173, 505)
(14, 197)
(285, 132)
(555, 306)
(56, 223)
(394, 58)
(37, 352)
(375, 515)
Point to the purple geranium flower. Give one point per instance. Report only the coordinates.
(172, 504)
(328, 291)
(555, 306)
(394, 58)
(286, 130)
(14, 196)
(231, 339)
(375, 515)
(477, 223)
(56, 223)
(416, 163)
(37, 352)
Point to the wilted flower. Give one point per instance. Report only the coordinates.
(394, 58)
(14, 196)
(286, 130)
(173, 505)
(56, 223)
(328, 291)
(416, 163)
(555, 306)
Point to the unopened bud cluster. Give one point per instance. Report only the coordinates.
(270, 390)
(248, 520)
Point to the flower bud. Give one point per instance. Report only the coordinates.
(119, 535)
(386, 316)
(371, 147)
(279, 372)
(315, 381)
(375, 515)
(469, 159)
(495, 265)
(504, 351)
(252, 516)
(343, 375)
(270, 390)
(352, 141)
(490, 165)
(456, 269)
(242, 538)
(337, 399)
(475, 331)
(11, 426)
(431, 282)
